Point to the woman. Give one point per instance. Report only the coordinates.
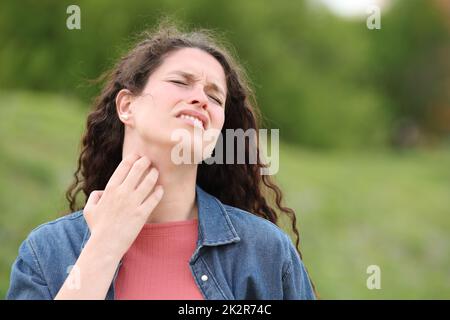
(152, 228)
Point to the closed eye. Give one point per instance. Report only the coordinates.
(216, 99)
(178, 82)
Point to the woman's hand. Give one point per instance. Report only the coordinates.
(116, 215)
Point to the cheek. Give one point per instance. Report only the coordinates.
(165, 96)
(171, 94)
(217, 117)
(149, 118)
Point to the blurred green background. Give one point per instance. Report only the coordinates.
(364, 118)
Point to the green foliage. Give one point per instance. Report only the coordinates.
(354, 209)
(324, 81)
(40, 134)
(409, 64)
(358, 209)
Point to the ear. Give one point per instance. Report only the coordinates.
(123, 105)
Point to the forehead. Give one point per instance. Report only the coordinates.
(195, 61)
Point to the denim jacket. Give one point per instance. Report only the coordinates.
(238, 256)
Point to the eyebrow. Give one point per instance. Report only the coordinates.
(191, 76)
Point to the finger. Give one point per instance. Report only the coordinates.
(152, 201)
(147, 184)
(136, 172)
(122, 170)
(94, 197)
(97, 196)
(146, 172)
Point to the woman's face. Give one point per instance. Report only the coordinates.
(185, 95)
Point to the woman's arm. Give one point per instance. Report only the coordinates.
(27, 279)
(115, 217)
(92, 274)
(296, 282)
(90, 278)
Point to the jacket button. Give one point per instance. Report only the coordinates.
(204, 277)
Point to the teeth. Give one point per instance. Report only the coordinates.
(197, 122)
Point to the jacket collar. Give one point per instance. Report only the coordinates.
(214, 224)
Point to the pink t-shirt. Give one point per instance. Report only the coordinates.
(156, 266)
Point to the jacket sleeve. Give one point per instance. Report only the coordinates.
(27, 281)
(296, 282)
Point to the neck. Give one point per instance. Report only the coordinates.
(179, 181)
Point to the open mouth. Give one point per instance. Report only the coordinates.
(196, 122)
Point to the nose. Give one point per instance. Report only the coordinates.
(198, 97)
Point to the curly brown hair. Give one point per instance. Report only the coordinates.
(238, 185)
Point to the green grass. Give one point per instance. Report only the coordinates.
(388, 209)
(354, 209)
(39, 142)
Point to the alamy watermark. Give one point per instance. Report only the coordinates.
(74, 277)
(374, 280)
(374, 19)
(237, 147)
(74, 20)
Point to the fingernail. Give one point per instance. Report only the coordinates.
(159, 192)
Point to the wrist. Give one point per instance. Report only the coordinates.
(103, 249)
